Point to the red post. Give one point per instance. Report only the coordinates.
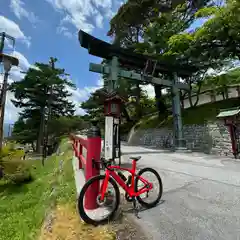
(233, 139)
(93, 152)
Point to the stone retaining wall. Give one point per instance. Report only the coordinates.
(210, 138)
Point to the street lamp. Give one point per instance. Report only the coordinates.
(8, 62)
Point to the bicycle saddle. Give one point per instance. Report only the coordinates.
(135, 158)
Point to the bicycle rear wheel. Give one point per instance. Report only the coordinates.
(107, 208)
(145, 199)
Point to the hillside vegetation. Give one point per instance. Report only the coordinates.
(196, 115)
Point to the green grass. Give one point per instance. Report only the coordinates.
(23, 208)
(197, 115)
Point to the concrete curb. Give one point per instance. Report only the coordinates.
(78, 175)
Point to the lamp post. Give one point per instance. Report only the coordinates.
(8, 62)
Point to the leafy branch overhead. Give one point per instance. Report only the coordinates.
(132, 16)
(168, 34)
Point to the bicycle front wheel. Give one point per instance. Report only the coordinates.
(98, 212)
(151, 198)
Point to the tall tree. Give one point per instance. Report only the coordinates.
(147, 29)
(65, 125)
(41, 85)
(217, 39)
(213, 45)
(24, 131)
(134, 14)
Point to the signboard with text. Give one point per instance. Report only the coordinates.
(116, 138)
(108, 140)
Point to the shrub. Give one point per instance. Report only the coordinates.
(16, 171)
(5, 152)
(12, 167)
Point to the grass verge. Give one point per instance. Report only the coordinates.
(46, 207)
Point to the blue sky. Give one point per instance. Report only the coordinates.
(45, 28)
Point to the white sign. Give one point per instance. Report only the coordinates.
(108, 138)
(116, 120)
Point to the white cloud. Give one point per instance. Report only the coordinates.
(12, 29)
(16, 72)
(19, 9)
(100, 82)
(84, 14)
(99, 20)
(64, 31)
(23, 62)
(11, 112)
(81, 95)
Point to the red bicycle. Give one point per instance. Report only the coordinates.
(108, 200)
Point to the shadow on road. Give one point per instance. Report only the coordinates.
(142, 209)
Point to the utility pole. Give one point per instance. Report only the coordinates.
(3, 103)
(7, 61)
(3, 35)
(3, 92)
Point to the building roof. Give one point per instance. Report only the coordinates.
(229, 112)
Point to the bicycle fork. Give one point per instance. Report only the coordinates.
(103, 187)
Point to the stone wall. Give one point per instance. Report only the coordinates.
(210, 138)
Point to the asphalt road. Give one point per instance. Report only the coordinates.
(201, 198)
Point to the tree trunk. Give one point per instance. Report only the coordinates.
(225, 91)
(160, 103)
(223, 95)
(33, 147)
(182, 97)
(40, 133)
(138, 97)
(197, 95)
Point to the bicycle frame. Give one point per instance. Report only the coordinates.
(129, 189)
